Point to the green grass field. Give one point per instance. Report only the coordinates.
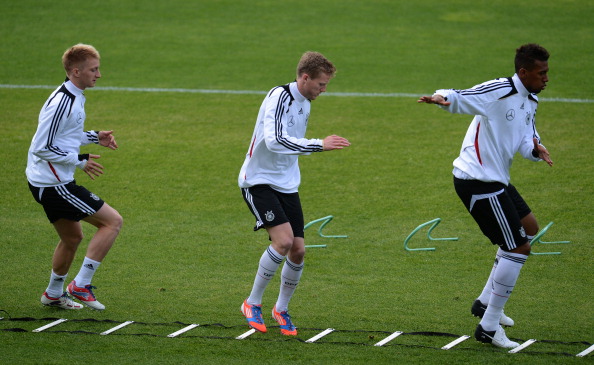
(187, 253)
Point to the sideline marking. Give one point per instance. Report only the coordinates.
(256, 92)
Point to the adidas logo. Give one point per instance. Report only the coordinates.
(89, 266)
(59, 279)
(300, 111)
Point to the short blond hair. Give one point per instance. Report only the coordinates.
(313, 64)
(76, 55)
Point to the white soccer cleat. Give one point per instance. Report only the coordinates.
(63, 302)
(496, 338)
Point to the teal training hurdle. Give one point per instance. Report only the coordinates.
(434, 223)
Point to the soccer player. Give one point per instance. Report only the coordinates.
(269, 180)
(52, 160)
(504, 112)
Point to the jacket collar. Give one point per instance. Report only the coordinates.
(519, 86)
(295, 91)
(72, 88)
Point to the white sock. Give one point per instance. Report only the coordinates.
(87, 270)
(290, 276)
(55, 288)
(504, 280)
(269, 263)
(486, 293)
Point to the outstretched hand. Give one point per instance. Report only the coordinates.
(335, 142)
(93, 168)
(434, 99)
(543, 154)
(106, 139)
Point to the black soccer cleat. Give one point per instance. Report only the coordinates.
(478, 309)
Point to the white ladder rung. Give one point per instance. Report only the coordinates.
(389, 338)
(320, 335)
(121, 325)
(246, 334)
(54, 323)
(455, 342)
(185, 329)
(522, 346)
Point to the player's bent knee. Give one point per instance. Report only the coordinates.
(285, 245)
(73, 240)
(110, 217)
(70, 232)
(281, 237)
(117, 221)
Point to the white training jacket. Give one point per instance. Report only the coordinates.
(278, 140)
(54, 152)
(504, 123)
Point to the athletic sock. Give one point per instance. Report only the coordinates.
(55, 287)
(269, 263)
(504, 280)
(290, 276)
(486, 293)
(87, 270)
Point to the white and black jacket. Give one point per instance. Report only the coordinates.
(504, 124)
(54, 152)
(278, 140)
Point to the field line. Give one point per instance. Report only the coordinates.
(256, 92)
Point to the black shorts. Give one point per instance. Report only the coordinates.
(272, 208)
(69, 201)
(497, 209)
(521, 205)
